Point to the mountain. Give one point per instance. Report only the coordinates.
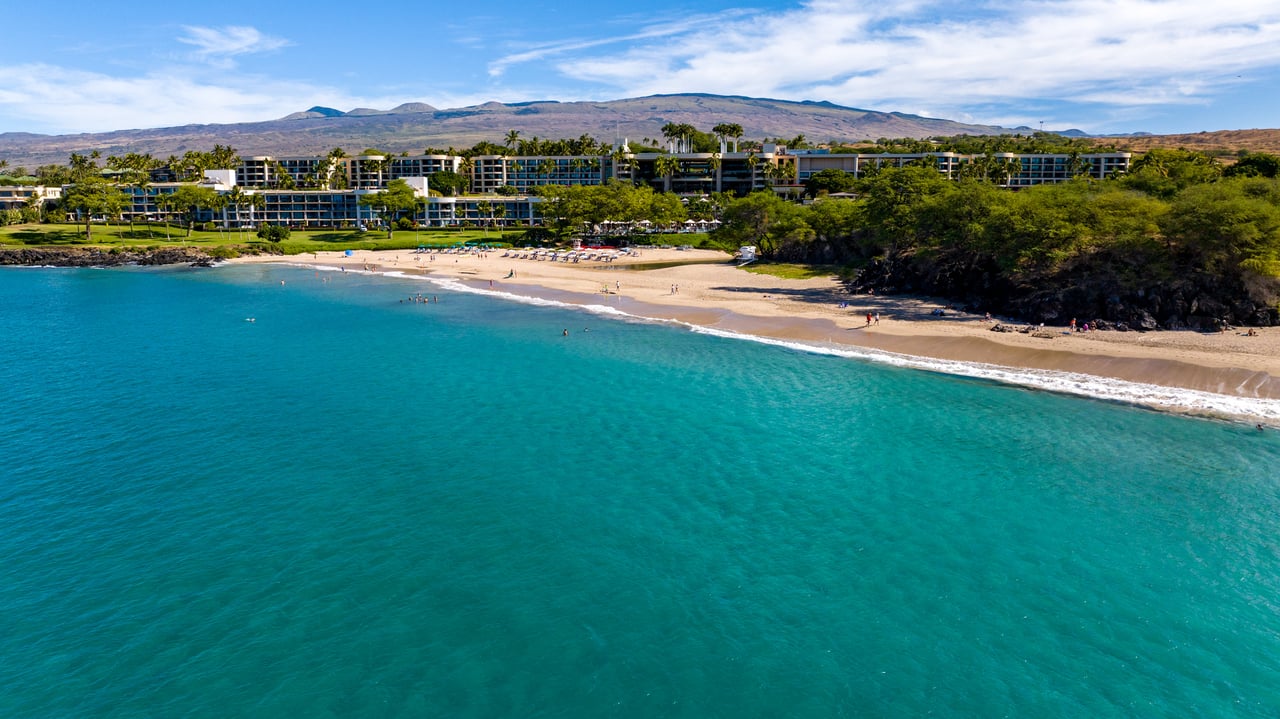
(316, 112)
(412, 127)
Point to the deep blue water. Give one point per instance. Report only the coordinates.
(357, 507)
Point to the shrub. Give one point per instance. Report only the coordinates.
(222, 252)
(273, 233)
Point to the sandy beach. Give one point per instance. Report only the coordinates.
(705, 288)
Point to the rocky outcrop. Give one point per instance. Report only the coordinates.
(1109, 291)
(96, 257)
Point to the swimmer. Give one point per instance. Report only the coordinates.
(566, 332)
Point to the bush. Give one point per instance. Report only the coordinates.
(222, 252)
(273, 233)
(404, 223)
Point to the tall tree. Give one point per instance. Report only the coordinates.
(666, 166)
(235, 199)
(393, 202)
(188, 200)
(547, 167)
(84, 167)
(93, 196)
(334, 175)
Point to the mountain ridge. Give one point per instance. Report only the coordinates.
(412, 127)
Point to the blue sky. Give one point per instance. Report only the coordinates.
(1098, 65)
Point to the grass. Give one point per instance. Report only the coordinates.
(789, 271)
(143, 236)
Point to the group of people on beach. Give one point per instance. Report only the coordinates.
(1083, 327)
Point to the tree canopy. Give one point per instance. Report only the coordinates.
(393, 203)
(93, 196)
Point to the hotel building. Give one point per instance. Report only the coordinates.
(325, 191)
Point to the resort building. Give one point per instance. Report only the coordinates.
(17, 197)
(1008, 169)
(325, 191)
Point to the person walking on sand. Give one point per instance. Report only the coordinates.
(868, 318)
(877, 319)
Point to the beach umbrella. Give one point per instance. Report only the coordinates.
(348, 253)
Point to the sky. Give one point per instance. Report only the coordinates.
(1102, 66)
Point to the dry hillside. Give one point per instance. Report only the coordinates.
(1221, 143)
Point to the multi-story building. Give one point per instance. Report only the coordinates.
(17, 196)
(325, 191)
(1006, 168)
(491, 172)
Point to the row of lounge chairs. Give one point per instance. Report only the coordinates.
(451, 251)
(569, 256)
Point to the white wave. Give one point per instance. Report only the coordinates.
(1070, 383)
(1073, 383)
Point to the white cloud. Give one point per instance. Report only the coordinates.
(666, 28)
(63, 100)
(862, 54)
(219, 45)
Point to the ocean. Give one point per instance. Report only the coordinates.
(358, 506)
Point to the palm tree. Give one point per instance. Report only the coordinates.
(333, 159)
(721, 131)
(752, 160)
(256, 202)
(513, 136)
(714, 164)
(786, 171)
(235, 199)
(467, 169)
(729, 129)
(547, 168)
(665, 167)
(671, 131)
(1076, 165)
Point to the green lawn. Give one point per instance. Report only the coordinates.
(143, 236)
(789, 271)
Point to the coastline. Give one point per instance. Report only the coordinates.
(703, 289)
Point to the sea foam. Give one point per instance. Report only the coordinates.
(1109, 389)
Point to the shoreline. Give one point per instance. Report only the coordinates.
(690, 287)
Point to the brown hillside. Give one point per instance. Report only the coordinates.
(412, 128)
(1221, 143)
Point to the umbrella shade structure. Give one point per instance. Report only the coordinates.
(348, 253)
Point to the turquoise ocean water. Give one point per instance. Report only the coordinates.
(356, 507)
